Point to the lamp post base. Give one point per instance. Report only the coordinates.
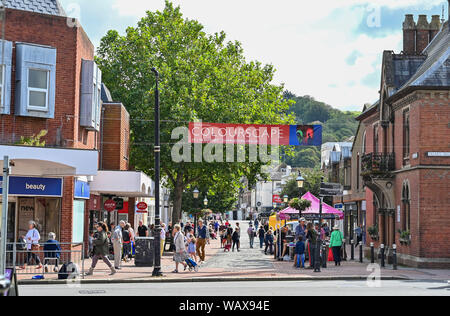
(157, 272)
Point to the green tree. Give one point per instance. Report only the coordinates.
(313, 178)
(203, 77)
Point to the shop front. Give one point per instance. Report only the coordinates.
(43, 186)
(33, 199)
(120, 192)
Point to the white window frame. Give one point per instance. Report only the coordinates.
(30, 89)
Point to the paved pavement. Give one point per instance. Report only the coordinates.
(252, 264)
(252, 289)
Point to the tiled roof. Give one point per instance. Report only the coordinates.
(52, 7)
(434, 72)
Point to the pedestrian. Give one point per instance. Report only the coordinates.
(261, 235)
(236, 238)
(300, 253)
(336, 244)
(256, 223)
(251, 235)
(142, 230)
(192, 248)
(359, 234)
(163, 238)
(126, 237)
(116, 239)
(202, 235)
(311, 237)
(269, 242)
(180, 248)
(228, 238)
(32, 239)
(300, 229)
(52, 251)
(101, 249)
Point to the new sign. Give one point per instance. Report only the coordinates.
(28, 186)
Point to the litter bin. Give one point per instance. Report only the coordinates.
(145, 251)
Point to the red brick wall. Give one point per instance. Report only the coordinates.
(116, 134)
(72, 45)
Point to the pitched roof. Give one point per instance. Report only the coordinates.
(51, 7)
(434, 72)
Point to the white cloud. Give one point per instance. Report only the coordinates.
(308, 42)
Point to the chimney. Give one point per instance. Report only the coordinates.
(409, 35)
(435, 26)
(422, 34)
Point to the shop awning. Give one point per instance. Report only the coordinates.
(44, 161)
(123, 184)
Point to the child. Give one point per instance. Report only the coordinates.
(300, 253)
(192, 249)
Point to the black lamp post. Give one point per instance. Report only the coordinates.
(157, 266)
(196, 195)
(319, 241)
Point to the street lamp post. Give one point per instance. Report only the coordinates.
(157, 266)
(319, 241)
(196, 194)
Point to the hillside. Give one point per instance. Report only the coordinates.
(337, 126)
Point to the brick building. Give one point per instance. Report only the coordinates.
(405, 152)
(51, 83)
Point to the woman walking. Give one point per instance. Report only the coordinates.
(336, 244)
(101, 249)
(237, 238)
(32, 239)
(180, 248)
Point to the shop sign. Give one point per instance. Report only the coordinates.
(29, 186)
(109, 205)
(141, 207)
(277, 199)
(82, 190)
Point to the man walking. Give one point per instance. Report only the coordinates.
(163, 237)
(142, 230)
(251, 235)
(201, 240)
(117, 241)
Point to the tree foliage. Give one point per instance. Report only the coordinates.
(203, 77)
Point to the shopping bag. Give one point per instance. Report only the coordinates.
(330, 255)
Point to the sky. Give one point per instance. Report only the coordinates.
(330, 49)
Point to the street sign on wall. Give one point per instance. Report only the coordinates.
(331, 189)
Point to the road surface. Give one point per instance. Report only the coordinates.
(263, 288)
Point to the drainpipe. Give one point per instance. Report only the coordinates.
(101, 138)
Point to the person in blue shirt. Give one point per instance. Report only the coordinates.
(300, 253)
(201, 241)
(52, 251)
(300, 229)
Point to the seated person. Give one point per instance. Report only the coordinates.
(52, 251)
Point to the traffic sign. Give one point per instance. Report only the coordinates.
(339, 206)
(331, 189)
(109, 205)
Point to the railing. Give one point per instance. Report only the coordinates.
(378, 163)
(26, 263)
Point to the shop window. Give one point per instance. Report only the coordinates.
(5, 78)
(78, 221)
(406, 216)
(44, 211)
(35, 80)
(91, 85)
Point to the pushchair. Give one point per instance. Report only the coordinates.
(193, 266)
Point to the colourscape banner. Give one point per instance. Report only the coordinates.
(284, 135)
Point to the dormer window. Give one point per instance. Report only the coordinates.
(91, 85)
(35, 80)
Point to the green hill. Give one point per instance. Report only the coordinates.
(338, 126)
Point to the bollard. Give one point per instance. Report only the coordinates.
(382, 256)
(372, 253)
(361, 259)
(352, 242)
(344, 249)
(394, 256)
(324, 255)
